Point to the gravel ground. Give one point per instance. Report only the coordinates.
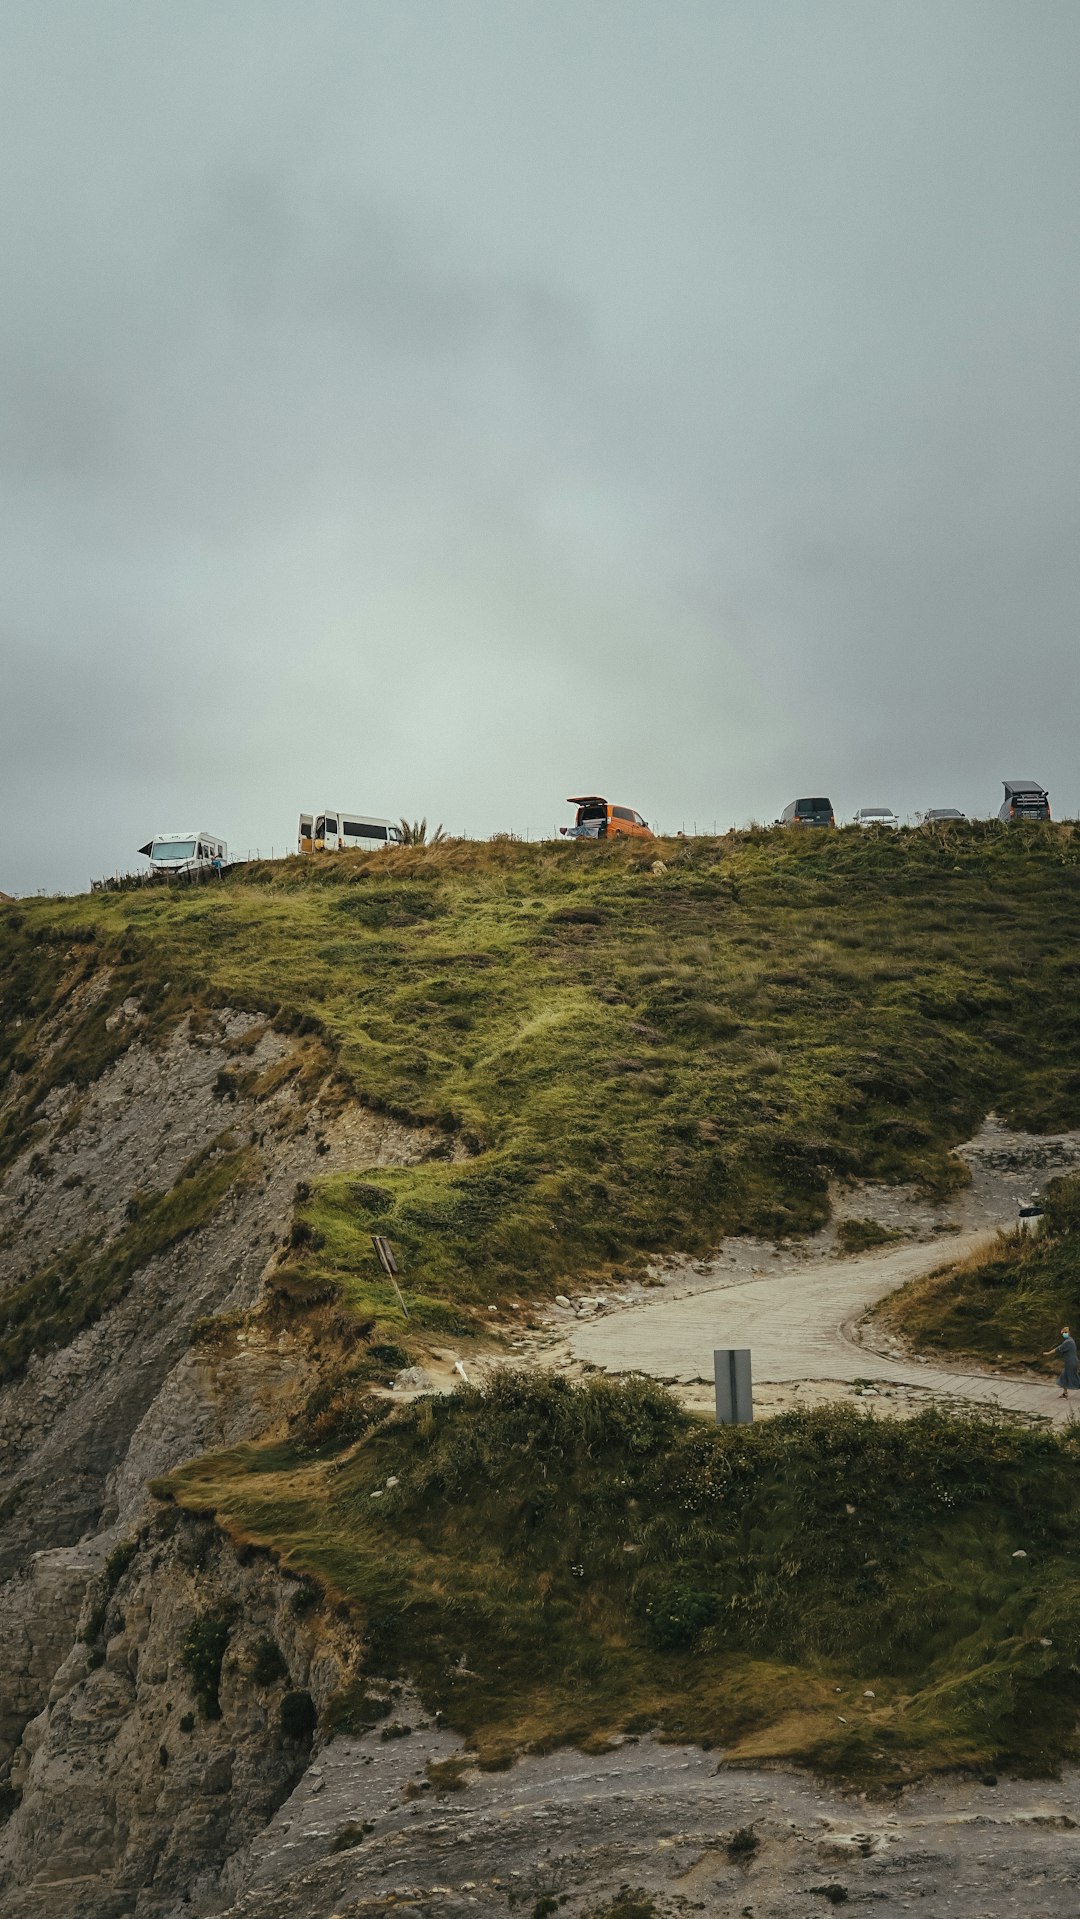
(655, 1816)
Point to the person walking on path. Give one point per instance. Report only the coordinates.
(1069, 1378)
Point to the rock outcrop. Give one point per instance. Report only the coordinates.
(177, 1722)
(101, 1818)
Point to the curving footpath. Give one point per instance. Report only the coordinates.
(799, 1323)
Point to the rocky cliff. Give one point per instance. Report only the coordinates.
(128, 1774)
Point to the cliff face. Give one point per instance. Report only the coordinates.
(179, 1719)
(175, 1185)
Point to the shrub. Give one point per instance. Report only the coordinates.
(389, 1353)
(203, 1651)
(369, 1198)
(743, 1844)
(678, 1615)
(337, 1415)
(628, 1903)
(118, 1562)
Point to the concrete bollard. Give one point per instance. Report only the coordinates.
(734, 1386)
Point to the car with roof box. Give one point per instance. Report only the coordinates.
(1025, 800)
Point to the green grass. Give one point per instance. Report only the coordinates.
(560, 1563)
(1003, 1305)
(628, 1061)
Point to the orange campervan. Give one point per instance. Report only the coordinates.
(598, 820)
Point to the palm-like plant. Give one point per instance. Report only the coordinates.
(415, 833)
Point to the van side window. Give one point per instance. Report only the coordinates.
(622, 813)
(331, 825)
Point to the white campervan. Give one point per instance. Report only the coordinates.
(184, 852)
(335, 831)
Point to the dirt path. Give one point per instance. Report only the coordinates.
(799, 1324)
(802, 1310)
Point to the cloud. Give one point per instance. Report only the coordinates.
(439, 412)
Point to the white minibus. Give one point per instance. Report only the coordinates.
(335, 831)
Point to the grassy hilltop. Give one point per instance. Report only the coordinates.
(628, 1059)
(626, 1048)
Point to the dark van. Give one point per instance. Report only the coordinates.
(808, 813)
(1024, 800)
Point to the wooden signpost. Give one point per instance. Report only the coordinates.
(389, 1266)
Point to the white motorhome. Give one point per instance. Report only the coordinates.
(184, 852)
(335, 830)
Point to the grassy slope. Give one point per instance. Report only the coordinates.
(556, 1563)
(633, 1060)
(1005, 1306)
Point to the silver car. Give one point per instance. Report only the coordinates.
(876, 816)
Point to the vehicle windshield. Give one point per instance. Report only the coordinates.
(173, 850)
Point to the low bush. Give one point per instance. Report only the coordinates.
(558, 1558)
(202, 1655)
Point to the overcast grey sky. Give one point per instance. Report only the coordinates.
(444, 408)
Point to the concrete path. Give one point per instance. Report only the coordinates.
(800, 1326)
